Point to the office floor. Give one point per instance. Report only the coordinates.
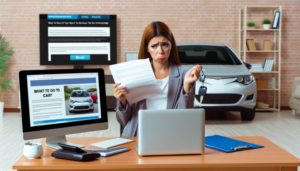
(281, 128)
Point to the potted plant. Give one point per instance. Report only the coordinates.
(251, 25)
(5, 52)
(266, 23)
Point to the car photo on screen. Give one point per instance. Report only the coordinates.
(94, 96)
(81, 99)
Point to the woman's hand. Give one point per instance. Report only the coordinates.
(190, 77)
(119, 93)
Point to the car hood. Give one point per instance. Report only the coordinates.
(80, 98)
(223, 70)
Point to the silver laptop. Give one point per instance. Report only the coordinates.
(171, 132)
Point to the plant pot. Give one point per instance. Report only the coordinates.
(33, 151)
(1, 109)
(251, 28)
(266, 26)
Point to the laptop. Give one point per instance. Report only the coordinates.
(171, 132)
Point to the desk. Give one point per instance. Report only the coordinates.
(269, 158)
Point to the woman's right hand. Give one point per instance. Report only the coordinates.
(119, 92)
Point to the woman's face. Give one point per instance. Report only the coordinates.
(159, 48)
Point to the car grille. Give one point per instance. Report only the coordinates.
(81, 107)
(220, 98)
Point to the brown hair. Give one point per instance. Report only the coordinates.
(158, 28)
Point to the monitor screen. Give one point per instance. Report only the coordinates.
(68, 39)
(63, 98)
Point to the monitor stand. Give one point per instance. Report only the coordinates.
(52, 142)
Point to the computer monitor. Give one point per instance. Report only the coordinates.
(59, 102)
(78, 39)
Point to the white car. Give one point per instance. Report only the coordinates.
(230, 85)
(80, 100)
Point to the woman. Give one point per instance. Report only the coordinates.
(158, 44)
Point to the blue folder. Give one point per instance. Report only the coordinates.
(226, 144)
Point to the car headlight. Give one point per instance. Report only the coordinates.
(90, 101)
(240, 79)
(248, 79)
(245, 79)
(72, 101)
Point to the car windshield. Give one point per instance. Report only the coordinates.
(210, 55)
(80, 94)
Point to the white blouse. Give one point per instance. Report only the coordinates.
(159, 103)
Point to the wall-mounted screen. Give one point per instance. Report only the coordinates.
(68, 39)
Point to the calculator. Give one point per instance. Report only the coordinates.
(108, 152)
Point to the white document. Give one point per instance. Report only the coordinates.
(139, 79)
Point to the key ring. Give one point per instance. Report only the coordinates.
(202, 77)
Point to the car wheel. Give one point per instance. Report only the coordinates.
(248, 115)
(96, 100)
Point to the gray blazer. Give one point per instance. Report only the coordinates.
(128, 117)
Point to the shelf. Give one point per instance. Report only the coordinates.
(274, 52)
(269, 109)
(267, 89)
(261, 30)
(274, 72)
(262, 51)
(262, 7)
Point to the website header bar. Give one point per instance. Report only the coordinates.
(62, 81)
(75, 17)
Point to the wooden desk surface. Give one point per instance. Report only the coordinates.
(271, 157)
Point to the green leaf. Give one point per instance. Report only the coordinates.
(5, 53)
(4, 57)
(3, 68)
(6, 84)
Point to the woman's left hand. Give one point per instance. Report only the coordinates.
(191, 76)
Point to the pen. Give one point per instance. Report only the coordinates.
(241, 147)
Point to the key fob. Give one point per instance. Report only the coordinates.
(202, 91)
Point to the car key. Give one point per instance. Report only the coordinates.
(202, 93)
(203, 89)
(202, 77)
